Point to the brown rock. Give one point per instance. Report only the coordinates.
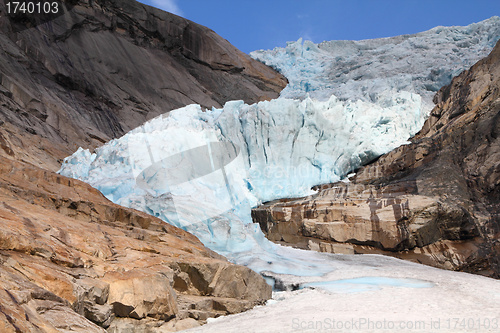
(71, 257)
(138, 294)
(221, 280)
(128, 325)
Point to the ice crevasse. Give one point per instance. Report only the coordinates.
(203, 170)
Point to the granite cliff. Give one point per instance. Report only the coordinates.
(104, 68)
(433, 201)
(70, 259)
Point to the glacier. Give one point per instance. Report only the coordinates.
(203, 170)
(372, 69)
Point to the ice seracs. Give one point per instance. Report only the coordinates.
(370, 69)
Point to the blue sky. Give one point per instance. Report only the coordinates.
(259, 24)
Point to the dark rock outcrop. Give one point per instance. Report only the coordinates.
(105, 67)
(435, 201)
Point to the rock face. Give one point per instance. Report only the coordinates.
(73, 261)
(70, 259)
(105, 67)
(435, 201)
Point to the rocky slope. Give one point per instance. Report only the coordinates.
(105, 67)
(70, 259)
(73, 261)
(435, 201)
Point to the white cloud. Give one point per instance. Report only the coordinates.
(168, 5)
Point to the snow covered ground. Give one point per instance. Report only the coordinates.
(204, 170)
(432, 300)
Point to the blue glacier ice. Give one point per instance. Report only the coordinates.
(203, 171)
(367, 283)
(347, 103)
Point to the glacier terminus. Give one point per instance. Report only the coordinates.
(347, 103)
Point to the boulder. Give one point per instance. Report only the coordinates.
(140, 293)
